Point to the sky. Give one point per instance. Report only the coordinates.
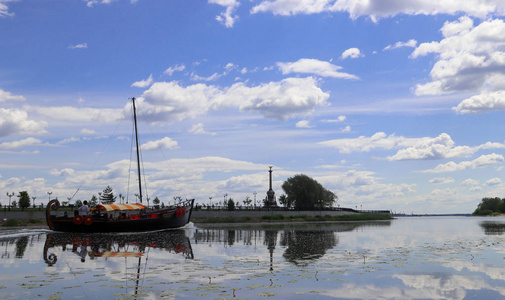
(394, 105)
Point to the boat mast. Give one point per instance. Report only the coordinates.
(138, 148)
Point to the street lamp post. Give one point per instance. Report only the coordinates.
(49, 193)
(10, 195)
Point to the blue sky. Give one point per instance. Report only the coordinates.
(390, 105)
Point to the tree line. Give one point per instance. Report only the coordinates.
(490, 206)
(301, 193)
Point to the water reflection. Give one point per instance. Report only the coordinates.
(493, 227)
(408, 258)
(93, 246)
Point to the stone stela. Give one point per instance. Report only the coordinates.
(271, 202)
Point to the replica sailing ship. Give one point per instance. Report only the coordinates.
(120, 217)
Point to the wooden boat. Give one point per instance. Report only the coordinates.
(120, 217)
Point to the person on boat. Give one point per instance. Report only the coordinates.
(84, 209)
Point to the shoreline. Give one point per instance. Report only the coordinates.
(269, 219)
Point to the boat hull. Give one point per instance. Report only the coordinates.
(145, 221)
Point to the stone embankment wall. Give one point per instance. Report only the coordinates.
(197, 214)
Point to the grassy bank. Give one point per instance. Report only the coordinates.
(22, 222)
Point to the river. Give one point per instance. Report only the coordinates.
(405, 258)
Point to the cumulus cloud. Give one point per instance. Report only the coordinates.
(479, 162)
(15, 121)
(314, 66)
(198, 129)
(470, 58)
(227, 18)
(303, 124)
(493, 181)
(62, 172)
(177, 68)
(78, 46)
(337, 120)
(351, 53)
(275, 100)
(469, 182)
(485, 102)
(88, 131)
(381, 9)
(143, 83)
(441, 180)
(4, 9)
(438, 147)
(85, 114)
(164, 143)
(6, 96)
(21, 143)
(410, 43)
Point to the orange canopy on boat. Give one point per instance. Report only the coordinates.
(111, 207)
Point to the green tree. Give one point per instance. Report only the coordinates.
(24, 200)
(306, 193)
(285, 201)
(247, 201)
(93, 201)
(156, 202)
(107, 196)
(490, 205)
(230, 204)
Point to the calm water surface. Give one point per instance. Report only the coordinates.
(406, 258)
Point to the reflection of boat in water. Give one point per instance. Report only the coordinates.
(116, 245)
(121, 217)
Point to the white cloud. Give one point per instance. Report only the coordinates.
(88, 131)
(438, 147)
(469, 182)
(303, 124)
(470, 58)
(351, 53)
(4, 9)
(314, 66)
(410, 43)
(227, 18)
(338, 120)
(74, 114)
(78, 46)
(198, 129)
(441, 180)
(21, 143)
(481, 161)
(177, 68)
(493, 181)
(382, 9)
(91, 3)
(62, 172)
(482, 103)
(143, 83)
(6, 96)
(15, 121)
(347, 129)
(275, 100)
(164, 143)
(212, 77)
